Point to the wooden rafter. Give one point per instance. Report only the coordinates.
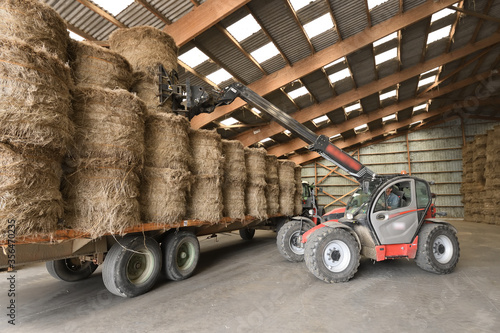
(476, 14)
(153, 10)
(480, 23)
(102, 12)
(306, 66)
(195, 3)
(198, 75)
(216, 61)
(334, 20)
(304, 115)
(80, 32)
(296, 18)
(368, 16)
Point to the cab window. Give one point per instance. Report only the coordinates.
(396, 196)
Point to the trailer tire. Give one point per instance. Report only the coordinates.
(70, 270)
(132, 266)
(438, 249)
(332, 254)
(247, 234)
(288, 240)
(181, 252)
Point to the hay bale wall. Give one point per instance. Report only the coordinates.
(235, 177)
(272, 185)
(286, 174)
(97, 66)
(491, 202)
(467, 179)
(35, 23)
(255, 192)
(205, 201)
(298, 190)
(29, 189)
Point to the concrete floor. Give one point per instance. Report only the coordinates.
(248, 287)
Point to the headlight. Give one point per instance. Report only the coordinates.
(349, 216)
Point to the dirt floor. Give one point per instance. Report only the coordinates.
(248, 287)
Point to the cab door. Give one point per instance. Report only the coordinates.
(399, 223)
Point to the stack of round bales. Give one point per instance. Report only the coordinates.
(235, 178)
(35, 104)
(286, 173)
(145, 48)
(166, 178)
(272, 185)
(492, 201)
(205, 201)
(298, 188)
(467, 179)
(255, 192)
(479, 163)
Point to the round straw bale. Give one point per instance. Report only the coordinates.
(234, 162)
(145, 47)
(146, 87)
(206, 147)
(234, 200)
(272, 169)
(94, 65)
(164, 194)
(35, 23)
(30, 179)
(272, 199)
(298, 188)
(36, 100)
(102, 200)
(255, 201)
(205, 200)
(286, 173)
(255, 161)
(167, 142)
(298, 204)
(109, 127)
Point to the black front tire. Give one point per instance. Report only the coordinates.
(289, 238)
(181, 252)
(247, 234)
(438, 249)
(332, 254)
(132, 266)
(70, 270)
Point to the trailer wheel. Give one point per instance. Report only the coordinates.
(132, 266)
(332, 254)
(438, 249)
(247, 234)
(288, 240)
(181, 252)
(70, 270)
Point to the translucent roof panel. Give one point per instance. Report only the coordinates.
(244, 28)
(386, 56)
(219, 76)
(264, 53)
(319, 25)
(340, 75)
(374, 3)
(298, 92)
(193, 57)
(439, 34)
(385, 39)
(113, 7)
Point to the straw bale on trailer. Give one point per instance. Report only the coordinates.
(36, 100)
(272, 185)
(255, 193)
(29, 189)
(205, 200)
(286, 173)
(109, 128)
(97, 66)
(235, 177)
(35, 23)
(298, 190)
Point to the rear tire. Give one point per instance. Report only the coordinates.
(438, 249)
(132, 266)
(181, 252)
(70, 270)
(247, 234)
(332, 254)
(289, 238)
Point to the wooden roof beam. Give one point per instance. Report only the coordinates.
(92, 6)
(296, 18)
(341, 49)
(153, 10)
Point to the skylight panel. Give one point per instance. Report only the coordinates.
(335, 137)
(319, 25)
(229, 121)
(385, 39)
(427, 81)
(298, 92)
(430, 71)
(264, 53)
(442, 13)
(388, 94)
(219, 76)
(374, 3)
(256, 110)
(340, 75)
(416, 123)
(320, 120)
(298, 4)
(389, 118)
(193, 57)
(419, 107)
(353, 107)
(244, 28)
(338, 61)
(75, 36)
(265, 140)
(439, 34)
(287, 132)
(113, 7)
(386, 56)
(360, 128)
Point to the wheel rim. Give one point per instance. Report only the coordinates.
(140, 267)
(442, 249)
(295, 244)
(75, 265)
(336, 256)
(186, 254)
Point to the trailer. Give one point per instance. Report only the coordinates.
(131, 262)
